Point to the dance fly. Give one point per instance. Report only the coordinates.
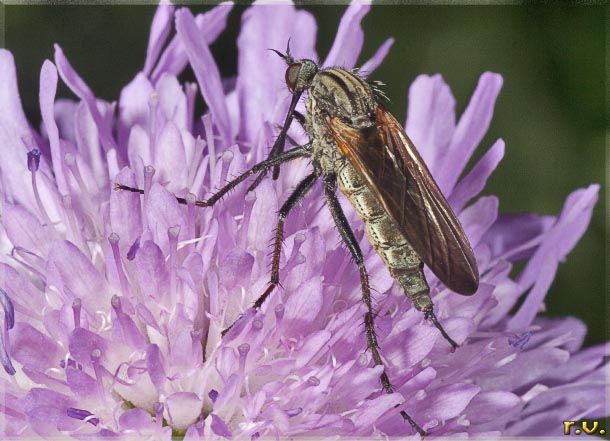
(357, 145)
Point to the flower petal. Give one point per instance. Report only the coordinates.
(476, 179)
(446, 402)
(373, 63)
(371, 410)
(80, 89)
(260, 72)
(33, 349)
(159, 31)
(183, 409)
(219, 427)
(48, 88)
(170, 158)
(488, 405)
(134, 107)
(155, 365)
(47, 411)
(469, 132)
(558, 241)
(64, 262)
(431, 119)
(349, 39)
(173, 60)
(206, 71)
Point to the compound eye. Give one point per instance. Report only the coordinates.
(292, 74)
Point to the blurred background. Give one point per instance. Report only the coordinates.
(552, 111)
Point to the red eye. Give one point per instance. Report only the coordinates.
(292, 74)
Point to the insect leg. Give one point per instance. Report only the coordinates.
(330, 185)
(299, 117)
(261, 166)
(278, 145)
(299, 192)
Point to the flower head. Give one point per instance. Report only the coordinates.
(114, 302)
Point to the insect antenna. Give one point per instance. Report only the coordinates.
(287, 57)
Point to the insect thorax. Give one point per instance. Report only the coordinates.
(336, 93)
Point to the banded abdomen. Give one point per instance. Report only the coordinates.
(403, 262)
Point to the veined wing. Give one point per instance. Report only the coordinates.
(388, 163)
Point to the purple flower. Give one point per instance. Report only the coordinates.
(114, 302)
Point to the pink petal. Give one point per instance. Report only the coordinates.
(206, 71)
(125, 212)
(48, 88)
(487, 405)
(558, 241)
(371, 410)
(163, 212)
(84, 342)
(406, 349)
(303, 307)
(349, 39)
(25, 230)
(173, 60)
(479, 217)
(136, 419)
(172, 101)
(64, 111)
(16, 139)
(159, 31)
(33, 349)
(373, 63)
(261, 72)
(151, 271)
(183, 408)
(515, 236)
(73, 274)
(219, 427)
(431, 119)
(134, 106)
(474, 182)
(88, 142)
(155, 365)
(81, 384)
(312, 345)
(170, 158)
(446, 402)
(470, 130)
(80, 89)
(47, 411)
(25, 296)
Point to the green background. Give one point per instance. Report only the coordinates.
(551, 112)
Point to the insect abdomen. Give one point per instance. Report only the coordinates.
(403, 262)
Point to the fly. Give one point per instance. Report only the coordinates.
(357, 145)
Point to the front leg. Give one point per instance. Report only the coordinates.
(278, 145)
(263, 166)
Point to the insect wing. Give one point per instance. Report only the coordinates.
(388, 163)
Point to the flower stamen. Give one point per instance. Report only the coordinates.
(76, 310)
(9, 322)
(113, 239)
(33, 164)
(81, 414)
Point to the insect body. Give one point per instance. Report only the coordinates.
(357, 145)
